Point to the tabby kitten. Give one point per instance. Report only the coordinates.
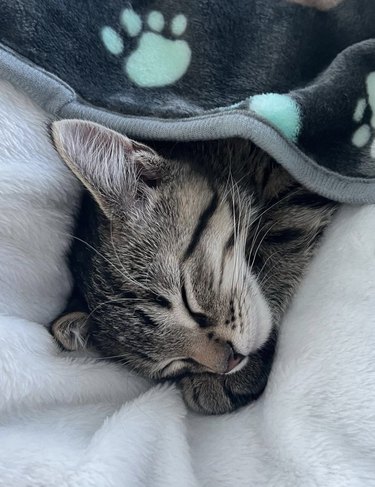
(185, 263)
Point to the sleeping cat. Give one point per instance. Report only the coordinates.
(185, 260)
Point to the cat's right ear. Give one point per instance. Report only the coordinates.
(116, 170)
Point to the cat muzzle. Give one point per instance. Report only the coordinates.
(219, 358)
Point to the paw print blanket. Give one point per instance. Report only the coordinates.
(295, 76)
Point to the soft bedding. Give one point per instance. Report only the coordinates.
(297, 78)
(79, 421)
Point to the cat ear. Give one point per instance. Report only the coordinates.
(112, 167)
(71, 330)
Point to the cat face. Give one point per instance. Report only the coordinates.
(186, 262)
(170, 285)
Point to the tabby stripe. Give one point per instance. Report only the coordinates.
(158, 300)
(238, 400)
(281, 199)
(145, 318)
(309, 200)
(201, 226)
(211, 280)
(229, 243)
(284, 236)
(266, 176)
(151, 297)
(201, 319)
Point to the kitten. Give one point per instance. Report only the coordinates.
(185, 262)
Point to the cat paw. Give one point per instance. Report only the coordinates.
(222, 393)
(157, 61)
(205, 394)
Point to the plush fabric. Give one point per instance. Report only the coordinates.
(77, 421)
(296, 77)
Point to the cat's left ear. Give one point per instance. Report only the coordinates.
(117, 171)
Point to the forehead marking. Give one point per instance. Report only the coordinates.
(203, 221)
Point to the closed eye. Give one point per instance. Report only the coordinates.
(201, 319)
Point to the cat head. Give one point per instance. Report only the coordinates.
(164, 267)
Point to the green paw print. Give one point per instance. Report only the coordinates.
(282, 111)
(157, 61)
(366, 131)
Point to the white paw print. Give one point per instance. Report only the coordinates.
(366, 131)
(157, 61)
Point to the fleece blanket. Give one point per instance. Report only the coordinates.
(77, 421)
(295, 76)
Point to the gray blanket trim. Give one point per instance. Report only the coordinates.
(58, 99)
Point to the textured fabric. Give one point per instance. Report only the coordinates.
(73, 421)
(305, 69)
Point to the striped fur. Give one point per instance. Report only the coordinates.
(186, 272)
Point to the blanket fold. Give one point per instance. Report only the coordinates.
(300, 69)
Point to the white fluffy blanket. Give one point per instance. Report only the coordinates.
(73, 421)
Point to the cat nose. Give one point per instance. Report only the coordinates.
(234, 360)
(219, 357)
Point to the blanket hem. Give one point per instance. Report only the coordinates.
(61, 101)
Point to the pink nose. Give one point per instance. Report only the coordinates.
(234, 360)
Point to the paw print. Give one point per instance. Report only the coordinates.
(157, 61)
(282, 111)
(366, 131)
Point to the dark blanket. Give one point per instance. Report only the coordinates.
(297, 77)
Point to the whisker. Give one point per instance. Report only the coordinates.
(120, 271)
(260, 243)
(278, 202)
(261, 282)
(115, 300)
